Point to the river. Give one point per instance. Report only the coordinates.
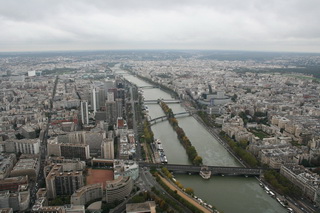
(228, 194)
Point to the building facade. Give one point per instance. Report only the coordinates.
(24, 146)
(308, 182)
(63, 183)
(87, 194)
(118, 189)
(75, 151)
(107, 148)
(111, 112)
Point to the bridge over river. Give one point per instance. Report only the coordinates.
(163, 118)
(215, 170)
(169, 101)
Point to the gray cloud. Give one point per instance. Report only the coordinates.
(147, 24)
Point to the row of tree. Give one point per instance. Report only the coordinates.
(175, 195)
(281, 183)
(184, 140)
(168, 174)
(147, 132)
(162, 204)
(240, 150)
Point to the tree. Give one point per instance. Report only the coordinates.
(189, 191)
(179, 184)
(191, 152)
(19, 136)
(197, 160)
(137, 199)
(234, 98)
(243, 143)
(305, 163)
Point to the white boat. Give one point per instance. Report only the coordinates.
(272, 194)
(159, 148)
(205, 173)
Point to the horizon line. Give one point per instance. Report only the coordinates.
(111, 50)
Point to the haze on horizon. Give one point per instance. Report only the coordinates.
(254, 25)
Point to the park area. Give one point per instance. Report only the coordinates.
(260, 134)
(99, 176)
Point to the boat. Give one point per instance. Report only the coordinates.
(272, 194)
(159, 148)
(205, 173)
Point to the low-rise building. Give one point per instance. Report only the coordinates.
(6, 164)
(13, 183)
(307, 181)
(38, 207)
(146, 207)
(28, 132)
(29, 167)
(126, 168)
(42, 193)
(18, 201)
(6, 210)
(68, 164)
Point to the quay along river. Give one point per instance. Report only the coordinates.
(230, 194)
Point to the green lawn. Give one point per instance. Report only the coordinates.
(259, 134)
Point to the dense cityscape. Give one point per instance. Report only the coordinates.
(78, 130)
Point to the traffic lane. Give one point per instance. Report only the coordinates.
(151, 182)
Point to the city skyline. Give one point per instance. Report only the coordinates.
(104, 25)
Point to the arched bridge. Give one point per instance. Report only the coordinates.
(163, 118)
(215, 170)
(172, 101)
(148, 87)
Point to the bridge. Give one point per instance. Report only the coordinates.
(148, 87)
(215, 170)
(163, 118)
(165, 101)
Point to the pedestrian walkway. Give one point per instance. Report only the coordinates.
(184, 196)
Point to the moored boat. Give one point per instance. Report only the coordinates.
(205, 173)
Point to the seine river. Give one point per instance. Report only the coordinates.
(228, 194)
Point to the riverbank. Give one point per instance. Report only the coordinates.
(184, 196)
(215, 134)
(161, 86)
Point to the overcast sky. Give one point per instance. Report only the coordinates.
(264, 25)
